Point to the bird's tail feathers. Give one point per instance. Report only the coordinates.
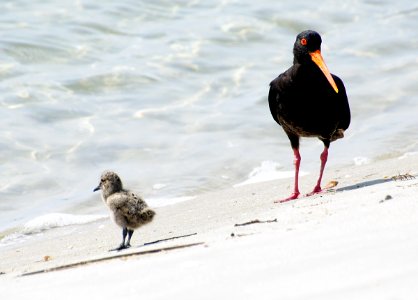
(147, 215)
(338, 134)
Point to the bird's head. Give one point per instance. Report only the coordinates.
(109, 183)
(307, 49)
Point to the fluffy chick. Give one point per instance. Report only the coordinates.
(128, 210)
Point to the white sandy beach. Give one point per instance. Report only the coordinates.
(358, 241)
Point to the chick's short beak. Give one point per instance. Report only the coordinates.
(97, 188)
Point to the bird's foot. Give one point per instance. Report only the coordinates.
(294, 196)
(121, 247)
(315, 191)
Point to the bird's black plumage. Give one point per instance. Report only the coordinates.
(304, 101)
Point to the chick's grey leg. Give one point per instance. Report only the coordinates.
(122, 245)
(128, 242)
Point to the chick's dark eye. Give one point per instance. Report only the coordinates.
(303, 42)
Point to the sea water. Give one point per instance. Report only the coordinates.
(172, 95)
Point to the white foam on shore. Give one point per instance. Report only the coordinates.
(53, 220)
(361, 160)
(267, 171)
(407, 154)
(13, 238)
(45, 222)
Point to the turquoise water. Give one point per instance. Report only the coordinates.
(173, 94)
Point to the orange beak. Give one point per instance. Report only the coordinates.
(319, 61)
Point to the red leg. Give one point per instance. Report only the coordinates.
(324, 157)
(296, 192)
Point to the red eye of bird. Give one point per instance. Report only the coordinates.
(303, 42)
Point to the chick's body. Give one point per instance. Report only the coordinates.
(128, 210)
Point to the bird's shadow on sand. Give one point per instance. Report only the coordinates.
(363, 184)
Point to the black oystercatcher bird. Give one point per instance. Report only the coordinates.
(308, 101)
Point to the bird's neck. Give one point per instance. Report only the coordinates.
(110, 191)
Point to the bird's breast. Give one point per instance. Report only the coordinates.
(308, 113)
